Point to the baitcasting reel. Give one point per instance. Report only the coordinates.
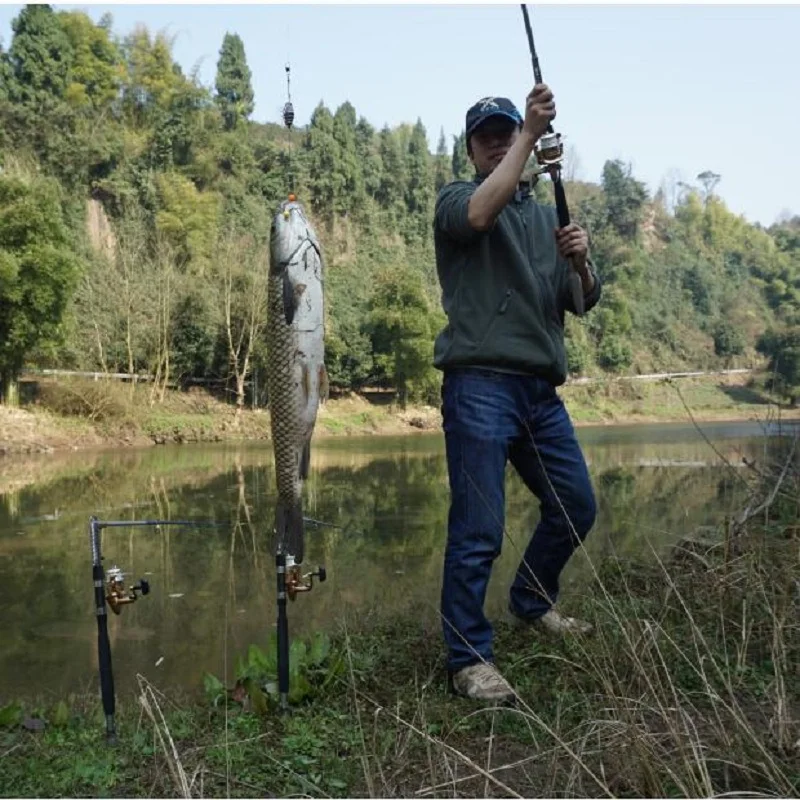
(116, 596)
(296, 583)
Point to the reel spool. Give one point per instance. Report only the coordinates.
(549, 151)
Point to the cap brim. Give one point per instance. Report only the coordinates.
(515, 119)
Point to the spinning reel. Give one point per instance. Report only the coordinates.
(295, 582)
(116, 595)
(549, 152)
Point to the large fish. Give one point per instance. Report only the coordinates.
(296, 376)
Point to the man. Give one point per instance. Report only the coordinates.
(503, 266)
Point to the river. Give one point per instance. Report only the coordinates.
(212, 589)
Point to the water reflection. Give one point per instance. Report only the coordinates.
(213, 588)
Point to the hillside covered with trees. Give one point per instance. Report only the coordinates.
(135, 207)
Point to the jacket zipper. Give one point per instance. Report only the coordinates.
(529, 253)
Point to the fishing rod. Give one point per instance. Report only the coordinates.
(550, 154)
(109, 590)
(289, 584)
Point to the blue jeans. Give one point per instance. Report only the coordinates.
(490, 418)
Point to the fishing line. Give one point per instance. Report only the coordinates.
(520, 553)
(549, 154)
(580, 543)
(288, 108)
(613, 609)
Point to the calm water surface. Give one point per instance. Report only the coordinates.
(213, 590)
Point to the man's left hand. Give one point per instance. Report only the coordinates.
(573, 244)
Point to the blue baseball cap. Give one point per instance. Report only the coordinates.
(488, 107)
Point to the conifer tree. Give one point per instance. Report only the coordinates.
(233, 82)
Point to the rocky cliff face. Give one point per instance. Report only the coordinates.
(99, 229)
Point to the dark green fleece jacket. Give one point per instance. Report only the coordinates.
(505, 291)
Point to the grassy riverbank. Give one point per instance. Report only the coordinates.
(78, 414)
(688, 687)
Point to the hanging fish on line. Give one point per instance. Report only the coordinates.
(296, 376)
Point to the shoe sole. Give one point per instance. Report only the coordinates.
(505, 700)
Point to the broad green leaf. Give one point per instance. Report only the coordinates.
(10, 715)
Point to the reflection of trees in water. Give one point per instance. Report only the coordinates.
(35, 600)
(657, 504)
(634, 504)
(392, 502)
(392, 513)
(46, 589)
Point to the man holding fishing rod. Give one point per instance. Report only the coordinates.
(504, 268)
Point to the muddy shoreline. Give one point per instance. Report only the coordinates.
(35, 429)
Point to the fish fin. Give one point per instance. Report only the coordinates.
(290, 529)
(289, 299)
(324, 384)
(305, 460)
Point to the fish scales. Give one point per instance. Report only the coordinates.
(296, 376)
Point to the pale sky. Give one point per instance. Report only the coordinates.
(671, 89)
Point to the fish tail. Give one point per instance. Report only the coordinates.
(290, 528)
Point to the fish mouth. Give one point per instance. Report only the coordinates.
(291, 205)
(290, 216)
(291, 222)
(291, 231)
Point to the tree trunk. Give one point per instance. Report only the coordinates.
(100, 354)
(9, 391)
(402, 393)
(129, 342)
(239, 391)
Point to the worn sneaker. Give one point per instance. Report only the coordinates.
(554, 622)
(482, 681)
